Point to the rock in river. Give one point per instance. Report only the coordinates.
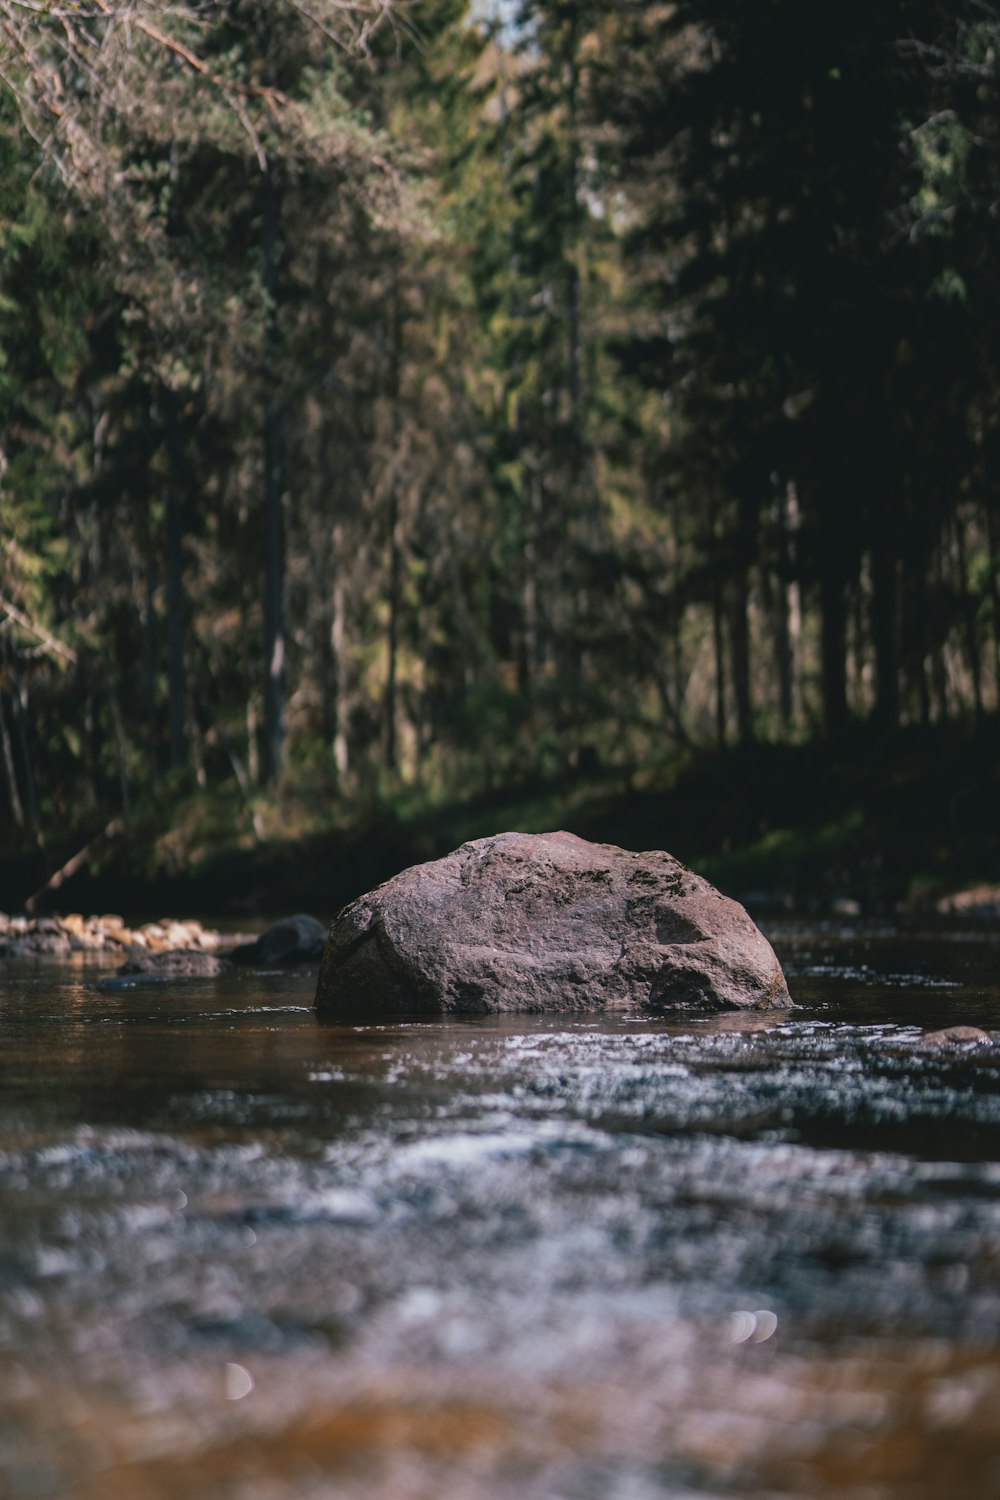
(177, 963)
(288, 943)
(958, 1036)
(546, 922)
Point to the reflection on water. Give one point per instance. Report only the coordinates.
(246, 1254)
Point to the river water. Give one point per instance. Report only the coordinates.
(248, 1255)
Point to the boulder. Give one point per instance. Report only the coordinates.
(292, 941)
(546, 922)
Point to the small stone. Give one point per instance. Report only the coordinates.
(178, 935)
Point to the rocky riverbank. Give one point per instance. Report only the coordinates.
(976, 901)
(25, 937)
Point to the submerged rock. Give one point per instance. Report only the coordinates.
(293, 940)
(958, 1036)
(546, 922)
(177, 963)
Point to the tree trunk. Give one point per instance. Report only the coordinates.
(530, 632)
(121, 748)
(883, 625)
(395, 568)
(939, 675)
(334, 648)
(739, 637)
(394, 387)
(918, 606)
(149, 643)
(176, 624)
(993, 558)
(275, 498)
(791, 499)
(574, 318)
(19, 713)
(677, 616)
(720, 668)
(833, 654)
(338, 632)
(968, 608)
(14, 796)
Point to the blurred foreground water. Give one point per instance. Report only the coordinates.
(245, 1255)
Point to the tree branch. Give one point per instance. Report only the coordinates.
(52, 644)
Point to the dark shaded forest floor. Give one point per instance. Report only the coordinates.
(870, 825)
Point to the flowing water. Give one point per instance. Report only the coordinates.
(247, 1255)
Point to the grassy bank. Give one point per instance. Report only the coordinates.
(870, 822)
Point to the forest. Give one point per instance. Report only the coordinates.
(405, 403)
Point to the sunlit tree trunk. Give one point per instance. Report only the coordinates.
(833, 652)
(739, 636)
(718, 646)
(967, 606)
(337, 729)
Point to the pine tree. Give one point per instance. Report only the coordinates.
(766, 157)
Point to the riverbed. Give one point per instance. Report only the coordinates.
(248, 1255)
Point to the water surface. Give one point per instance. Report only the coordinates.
(244, 1253)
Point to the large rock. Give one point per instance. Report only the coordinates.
(290, 942)
(546, 922)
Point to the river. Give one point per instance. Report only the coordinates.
(247, 1255)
